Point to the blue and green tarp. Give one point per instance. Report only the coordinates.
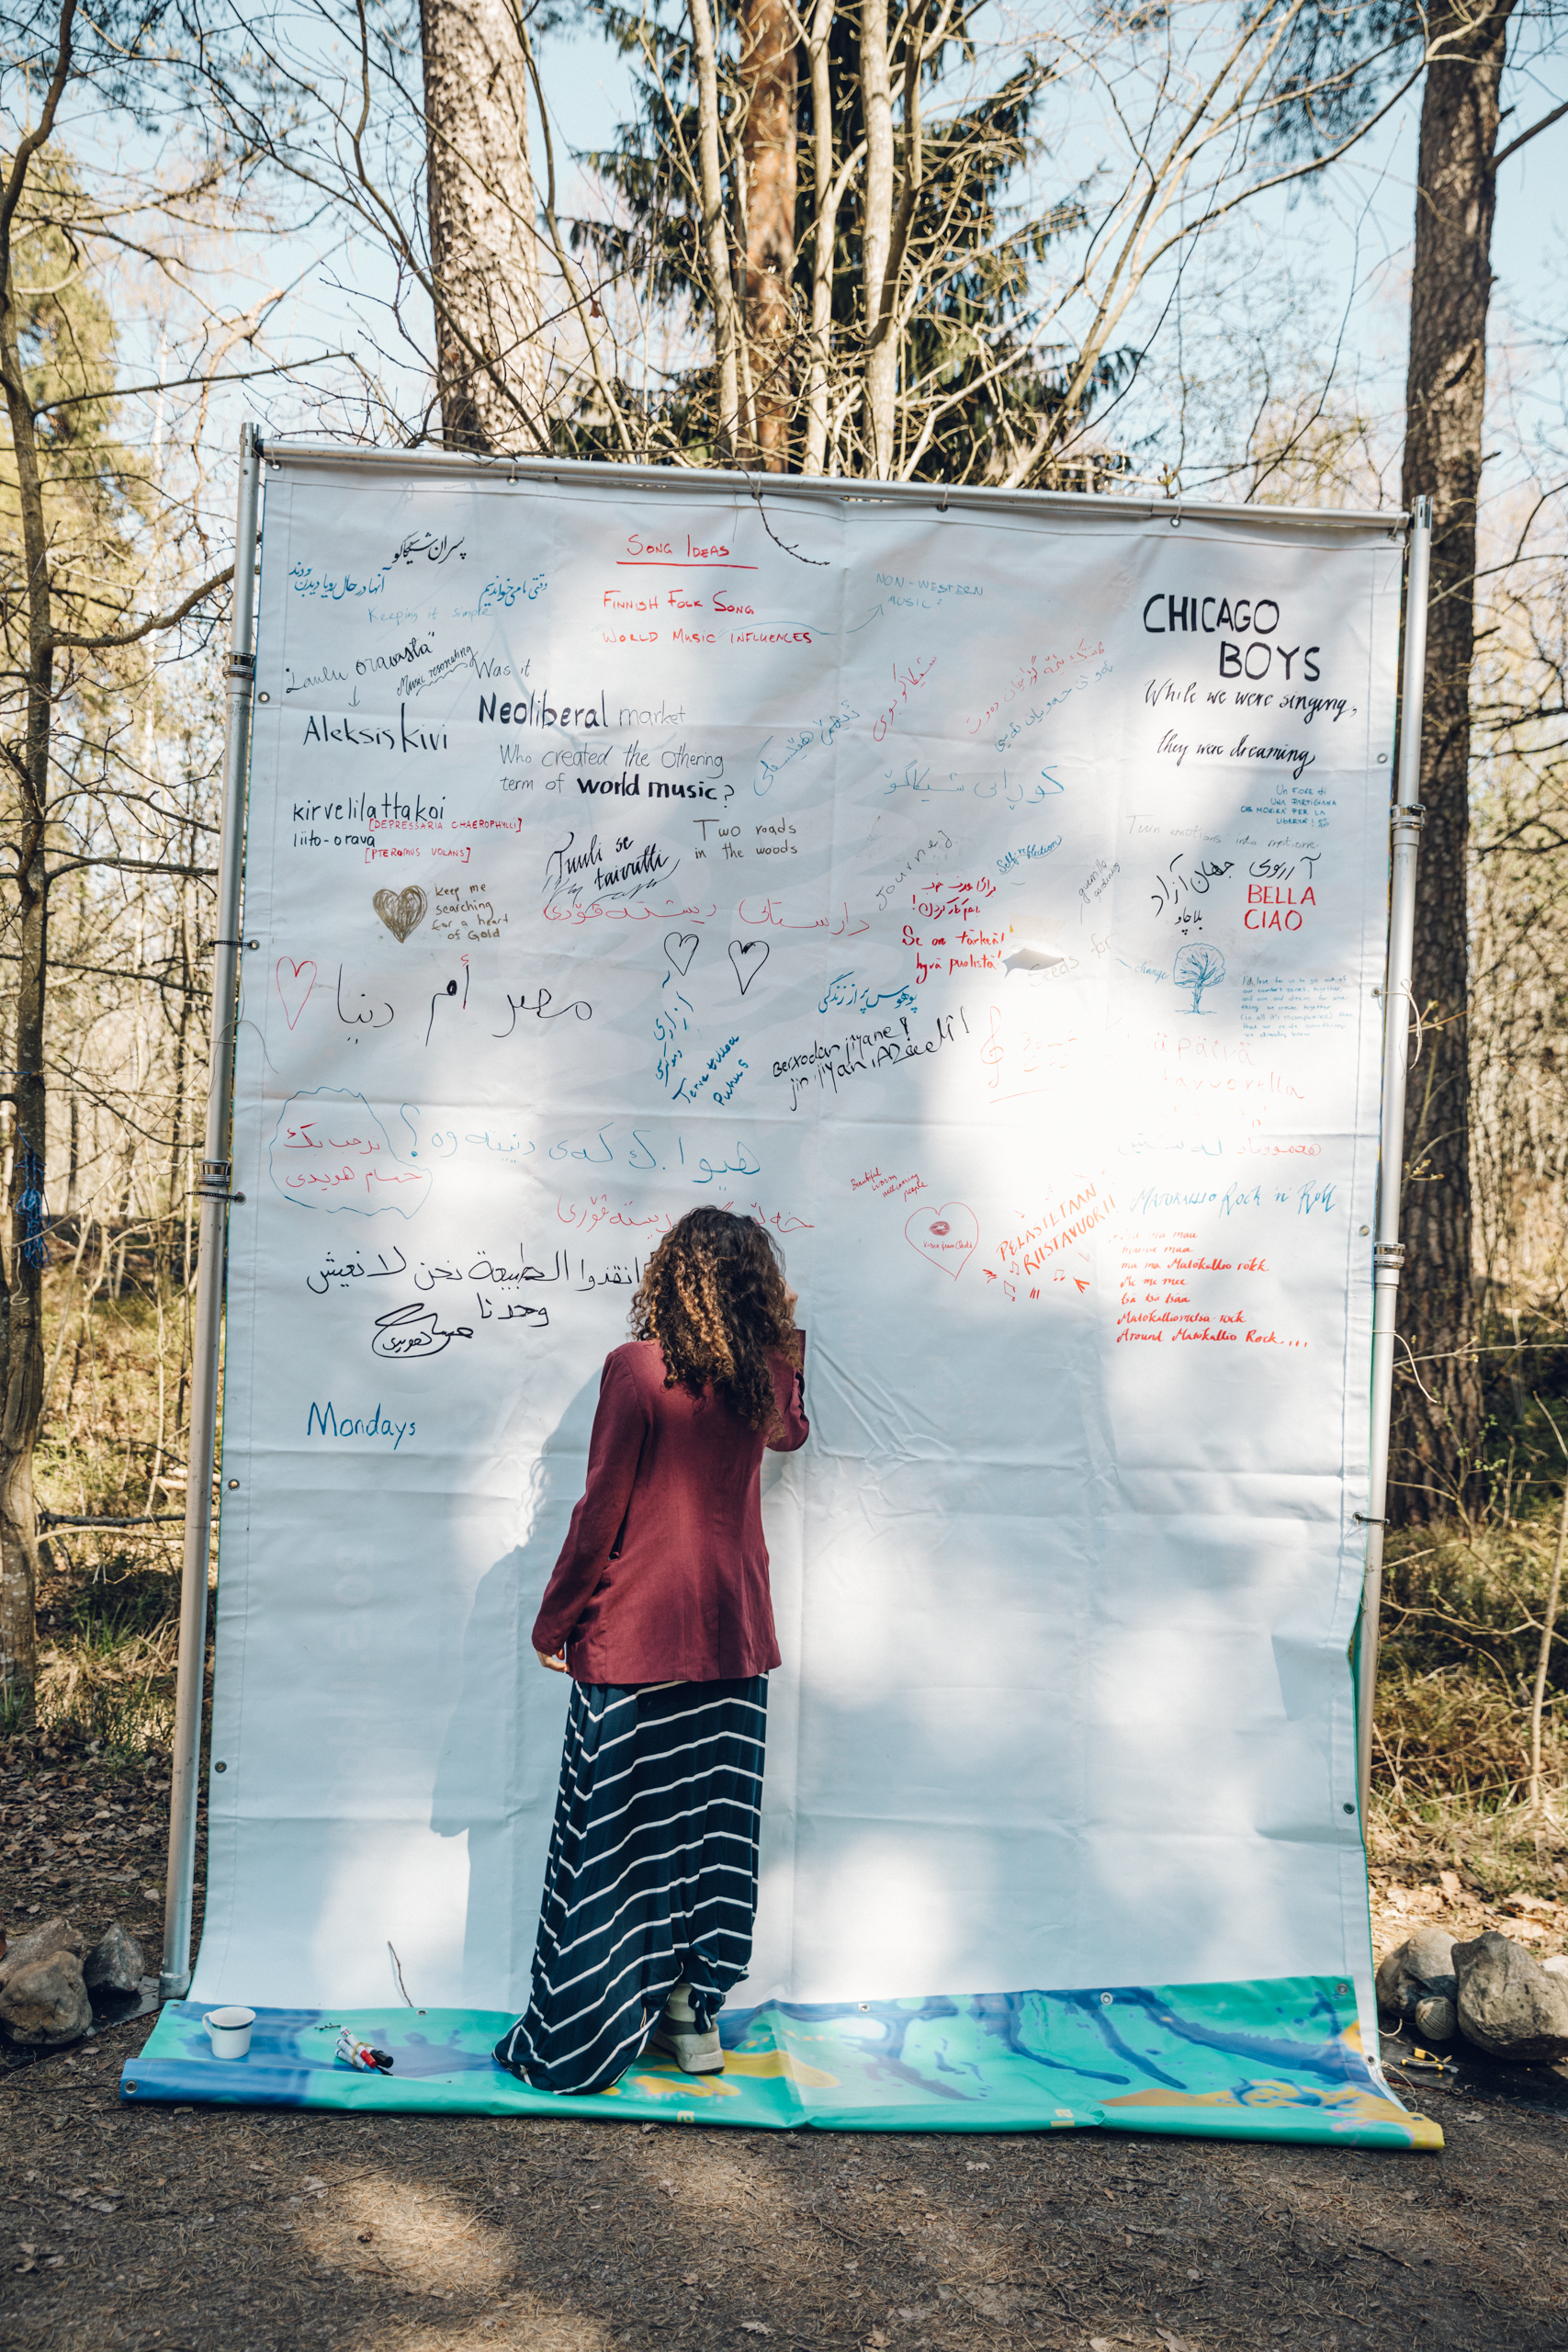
(1275, 2060)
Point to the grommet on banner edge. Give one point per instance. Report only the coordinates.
(1362, 1520)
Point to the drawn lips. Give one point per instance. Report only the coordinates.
(402, 911)
(295, 983)
(946, 1237)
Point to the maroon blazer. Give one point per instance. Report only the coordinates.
(663, 1575)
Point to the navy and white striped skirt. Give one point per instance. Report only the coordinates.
(652, 1877)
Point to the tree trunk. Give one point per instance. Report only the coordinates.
(769, 72)
(882, 355)
(824, 231)
(1437, 1432)
(483, 252)
(715, 233)
(21, 1361)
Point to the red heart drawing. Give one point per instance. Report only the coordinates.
(295, 983)
(946, 1236)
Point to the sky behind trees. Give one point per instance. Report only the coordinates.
(1308, 286)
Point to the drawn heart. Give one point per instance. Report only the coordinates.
(946, 1236)
(748, 956)
(402, 911)
(681, 946)
(295, 983)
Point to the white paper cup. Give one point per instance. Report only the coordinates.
(230, 2030)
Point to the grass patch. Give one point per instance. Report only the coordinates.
(1462, 1616)
(108, 1649)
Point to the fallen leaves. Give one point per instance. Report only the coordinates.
(754, 2327)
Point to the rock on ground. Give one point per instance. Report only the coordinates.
(115, 1964)
(1508, 2005)
(50, 1935)
(46, 2001)
(1421, 1969)
(43, 1995)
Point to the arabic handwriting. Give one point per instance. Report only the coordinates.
(442, 995)
(543, 1007)
(513, 1311)
(405, 1332)
(601, 1155)
(596, 1211)
(332, 1271)
(848, 996)
(846, 926)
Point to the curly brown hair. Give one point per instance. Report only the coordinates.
(713, 1296)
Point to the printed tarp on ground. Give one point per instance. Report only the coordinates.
(1268, 2061)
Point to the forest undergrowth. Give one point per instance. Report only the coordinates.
(113, 1448)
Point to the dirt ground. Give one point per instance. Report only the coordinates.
(234, 2232)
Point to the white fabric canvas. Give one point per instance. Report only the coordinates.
(992, 903)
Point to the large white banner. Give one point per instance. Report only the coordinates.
(991, 900)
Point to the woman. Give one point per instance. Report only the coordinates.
(658, 1609)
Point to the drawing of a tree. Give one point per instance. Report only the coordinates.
(1198, 968)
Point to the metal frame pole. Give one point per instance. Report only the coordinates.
(1388, 1253)
(213, 1193)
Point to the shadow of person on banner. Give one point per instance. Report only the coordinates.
(496, 1776)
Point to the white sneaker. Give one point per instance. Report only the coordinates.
(676, 2033)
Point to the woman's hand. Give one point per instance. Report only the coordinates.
(556, 1664)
